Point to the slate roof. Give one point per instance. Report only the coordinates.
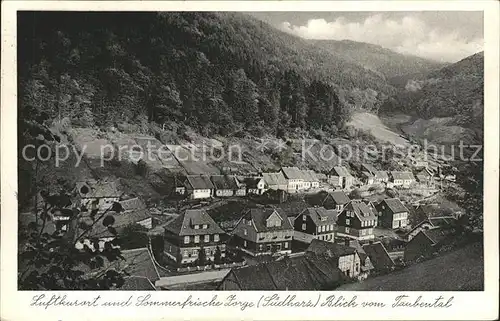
(340, 197)
(199, 182)
(378, 256)
(260, 215)
(437, 235)
(402, 175)
(122, 220)
(137, 283)
(381, 175)
(224, 182)
(340, 171)
(183, 225)
(274, 178)
(330, 249)
(251, 182)
(316, 213)
(298, 273)
(362, 211)
(369, 168)
(293, 173)
(394, 205)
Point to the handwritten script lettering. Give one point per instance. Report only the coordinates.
(242, 302)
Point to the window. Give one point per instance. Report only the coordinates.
(319, 229)
(216, 237)
(205, 226)
(331, 227)
(261, 247)
(197, 239)
(196, 227)
(304, 218)
(370, 231)
(249, 222)
(347, 221)
(245, 231)
(363, 232)
(347, 230)
(207, 238)
(304, 227)
(357, 267)
(244, 243)
(285, 245)
(186, 239)
(186, 254)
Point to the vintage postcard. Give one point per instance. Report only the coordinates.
(249, 160)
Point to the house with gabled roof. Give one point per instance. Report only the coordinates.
(199, 186)
(224, 185)
(445, 222)
(369, 168)
(392, 213)
(357, 221)
(425, 176)
(366, 264)
(255, 185)
(98, 194)
(348, 258)
(275, 181)
(306, 272)
(339, 176)
(401, 178)
(263, 231)
(315, 223)
(295, 179)
(379, 257)
(310, 179)
(427, 242)
(191, 232)
(336, 200)
(381, 176)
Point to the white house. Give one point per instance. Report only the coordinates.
(295, 179)
(199, 186)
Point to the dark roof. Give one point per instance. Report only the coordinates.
(122, 219)
(183, 225)
(299, 273)
(437, 235)
(199, 182)
(402, 175)
(137, 283)
(99, 189)
(434, 210)
(340, 197)
(361, 252)
(293, 173)
(362, 210)
(319, 213)
(369, 168)
(394, 205)
(330, 249)
(340, 171)
(224, 182)
(378, 255)
(260, 215)
(251, 182)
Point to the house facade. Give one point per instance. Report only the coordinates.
(295, 179)
(402, 179)
(311, 181)
(357, 221)
(339, 176)
(392, 213)
(431, 223)
(199, 186)
(315, 223)
(348, 258)
(191, 232)
(255, 185)
(263, 231)
(224, 185)
(336, 200)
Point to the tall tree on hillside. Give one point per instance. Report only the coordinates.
(243, 96)
(292, 96)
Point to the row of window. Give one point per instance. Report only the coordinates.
(194, 252)
(206, 238)
(400, 216)
(326, 237)
(326, 228)
(197, 226)
(269, 247)
(368, 223)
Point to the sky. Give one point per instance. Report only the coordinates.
(441, 36)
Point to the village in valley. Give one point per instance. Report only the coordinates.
(292, 229)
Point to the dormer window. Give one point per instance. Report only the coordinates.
(323, 219)
(249, 222)
(205, 226)
(196, 227)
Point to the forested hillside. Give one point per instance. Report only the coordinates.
(387, 62)
(216, 72)
(453, 91)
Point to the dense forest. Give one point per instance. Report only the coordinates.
(216, 72)
(453, 91)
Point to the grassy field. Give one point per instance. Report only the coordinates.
(460, 270)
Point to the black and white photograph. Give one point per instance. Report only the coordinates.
(283, 151)
(327, 160)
